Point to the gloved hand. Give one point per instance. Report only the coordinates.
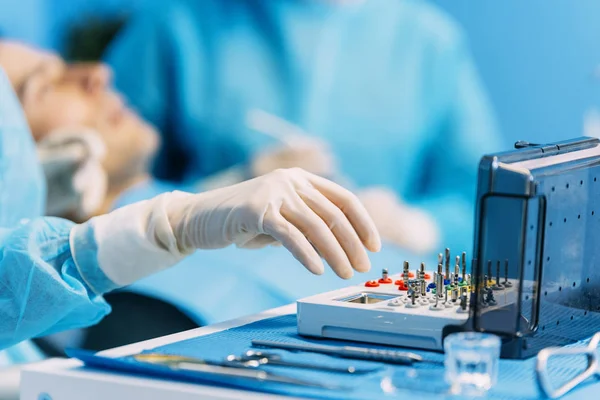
(72, 163)
(405, 226)
(308, 153)
(307, 214)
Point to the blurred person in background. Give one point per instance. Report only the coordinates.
(54, 273)
(389, 85)
(87, 138)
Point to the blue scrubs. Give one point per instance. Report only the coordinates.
(42, 289)
(389, 84)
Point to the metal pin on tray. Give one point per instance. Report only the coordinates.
(469, 278)
(489, 297)
(463, 300)
(439, 280)
(413, 297)
(447, 300)
(454, 294)
(507, 283)
(464, 267)
(406, 273)
(456, 271)
(447, 276)
(498, 285)
(455, 276)
(420, 275)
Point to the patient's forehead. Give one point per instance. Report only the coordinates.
(18, 60)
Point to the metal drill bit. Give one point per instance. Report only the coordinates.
(463, 299)
(457, 266)
(489, 274)
(485, 281)
(405, 272)
(413, 296)
(422, 275)
(384, 273)
(454, 295)
(489, 297)
(440, 286)
(447, 276)
(473, 266)
(423, 288)
(464, 265)
(413, 285)
(437, 306)
(440, 268)
(507, 283)
(498, 273)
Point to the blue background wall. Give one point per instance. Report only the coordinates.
(538, 60)
(537, 57)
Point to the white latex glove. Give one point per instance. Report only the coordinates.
(72, 163)
(398, 223)
(298, 209)
(308, 153)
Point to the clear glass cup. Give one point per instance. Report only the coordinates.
(471, 362)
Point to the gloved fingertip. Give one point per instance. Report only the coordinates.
(374, 243)
(363, 267)
(346, 273)
(316, 267)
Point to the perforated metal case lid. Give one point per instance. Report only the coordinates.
(538, 208)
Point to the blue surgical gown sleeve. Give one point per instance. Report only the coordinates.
(42, 290)
(465, 129)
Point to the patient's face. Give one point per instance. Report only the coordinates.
(55, 95)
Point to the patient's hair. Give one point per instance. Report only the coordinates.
(87, 39)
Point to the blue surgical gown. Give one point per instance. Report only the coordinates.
(389, 84)
(42, 290)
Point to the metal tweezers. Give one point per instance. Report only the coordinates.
(230, 369)
(593, 367)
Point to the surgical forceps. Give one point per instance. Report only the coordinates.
(266, 358)
(230, 369)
